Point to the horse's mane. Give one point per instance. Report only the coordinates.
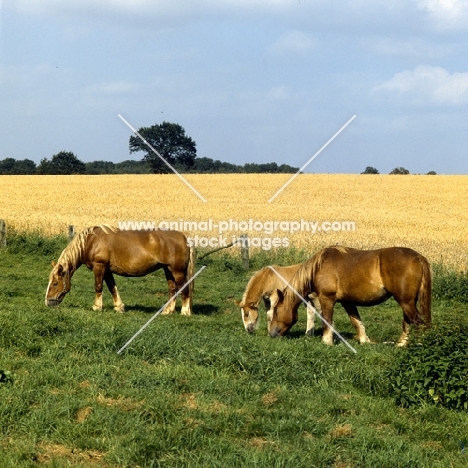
(302, 281)
(71, 254)
(250, 283)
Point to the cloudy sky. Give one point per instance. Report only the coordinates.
(249, 80)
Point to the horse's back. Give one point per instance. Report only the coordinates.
(138, 252)
(354, 273)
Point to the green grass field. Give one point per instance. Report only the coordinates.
(199, 391)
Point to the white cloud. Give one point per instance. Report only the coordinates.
(430, 85)
(293, 42)
(447, 14)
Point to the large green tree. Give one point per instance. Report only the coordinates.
(12, 166)
(370, 170)
(170, 141)
(63, 163)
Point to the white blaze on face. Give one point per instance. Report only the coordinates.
(47, 292)
(244, 321)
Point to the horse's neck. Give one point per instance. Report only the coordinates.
(70, 265)
(70, 268)
(255, 289)
(291, 299)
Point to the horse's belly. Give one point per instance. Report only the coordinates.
(364, 295)
(136, 267)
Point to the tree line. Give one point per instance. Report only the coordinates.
(66, 163)
(396, 171)
(165, 147)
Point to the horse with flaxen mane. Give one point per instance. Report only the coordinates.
(107, 250)
(263, 285)
(358, 278)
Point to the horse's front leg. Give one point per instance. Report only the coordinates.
(313, 308)
(357, 322)
(99, 271)
(327, 305)
(269, 313)
(119, 306)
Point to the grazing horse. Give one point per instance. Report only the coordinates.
(358, 278)
(107, 250)
(263, 285)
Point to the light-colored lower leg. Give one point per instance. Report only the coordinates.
(98, 301)
(186, 306)
(403, 341)
(170, 308)
(327, 336)
(360, 330)
(311, 311)
(119, 306)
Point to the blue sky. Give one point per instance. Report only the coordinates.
(249, 80)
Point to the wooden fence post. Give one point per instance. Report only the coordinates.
(71, 232)
(245, 251)
(2, 233)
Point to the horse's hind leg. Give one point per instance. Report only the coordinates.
(181, 279)
(410, 316)
(171, 284)
(357, 322)
(119, 306)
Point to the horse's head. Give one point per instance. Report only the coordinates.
(249, 313)
(282, 319)
(59, 285)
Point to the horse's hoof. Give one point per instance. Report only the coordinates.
(97, 308)
(120, 309)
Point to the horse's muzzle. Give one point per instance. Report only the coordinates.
(275, 332)
(250, 328)
(52, 302)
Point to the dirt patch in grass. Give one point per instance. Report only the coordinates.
(70, 456)
(340, 431)
(124, 404)
(82, 414)
(269, 398)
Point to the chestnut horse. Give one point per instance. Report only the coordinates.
(107, 250)
(263, 285)
(358, 278)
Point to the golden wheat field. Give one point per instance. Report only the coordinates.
(426, 213)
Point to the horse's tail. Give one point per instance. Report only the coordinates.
(190, 270)
(425, 291)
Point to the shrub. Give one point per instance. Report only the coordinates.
(449, 284)
(433, 368)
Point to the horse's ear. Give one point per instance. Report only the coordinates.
(280, 295)
(239, 303)
(60, 269)
(53, 263)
